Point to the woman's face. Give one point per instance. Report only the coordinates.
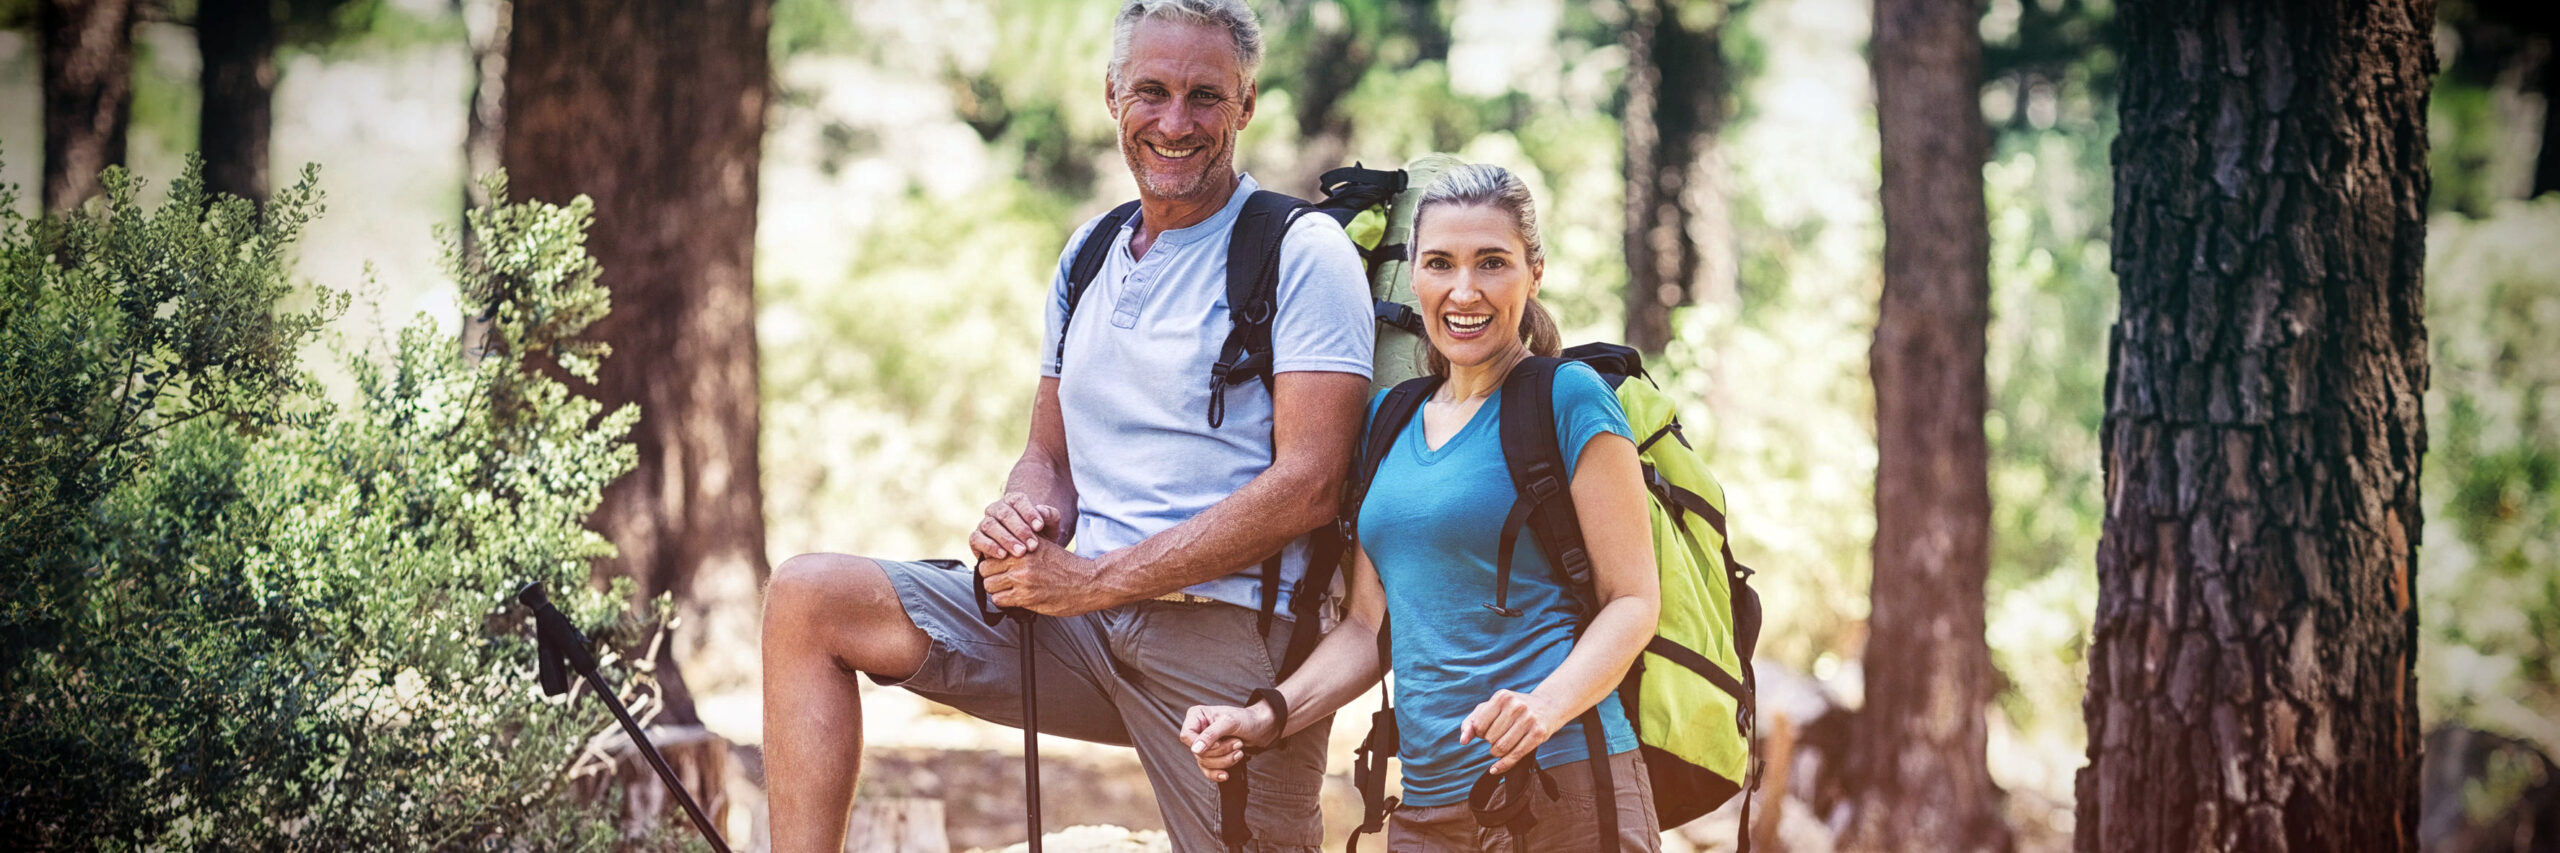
(1473, 278)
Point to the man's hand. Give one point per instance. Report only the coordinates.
(1014, 526)
(1048, 580)
(1513, 725)
(1218, 734)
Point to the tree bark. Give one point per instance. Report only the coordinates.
(1676, 227)
(237, 39)
(657, 111)
(1339, 58)
(2546, 163)
(1918, 760)
(2251, 683)
(88, 94)
(484, 25)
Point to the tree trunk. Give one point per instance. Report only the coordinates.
(2250, 682)
(1918, 760)
(1339, 57)
(2546, 163)
(1675, 89)
(484, 25)
(88, 94)
(237, 39)
(657, 111)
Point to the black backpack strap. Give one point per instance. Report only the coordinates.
(1253, 273)
(1354, 188)
(1604, 788)
(1394, 413)
(1505, 801)
(1535, 456)
(1538, 473)
(1369, 763)
(1090, 254)
(1325, 553)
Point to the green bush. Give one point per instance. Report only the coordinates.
(2489, 572)
(240, 615)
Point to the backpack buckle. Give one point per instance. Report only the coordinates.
(1577, 565)
(1544, 488)
(1257, 312)
(1399, 315)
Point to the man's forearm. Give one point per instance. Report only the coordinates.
(1243, 530)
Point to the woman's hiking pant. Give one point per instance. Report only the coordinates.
(1568, 822)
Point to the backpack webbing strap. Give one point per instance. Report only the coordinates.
(1233, 829)
(1691, 660)
(1253, 270)
(1503, 800)
(1271, 591)
(1535, 455)
(1512, 523)
(1394, 413)
(1538, 472)
(1604, 789)
(1354, 188)
(1306, 608)
(1398, 315)
(1090, 254)
(1369, 762)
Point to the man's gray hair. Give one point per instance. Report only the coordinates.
(1231, 15)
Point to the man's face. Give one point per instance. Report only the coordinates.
(1180, 102)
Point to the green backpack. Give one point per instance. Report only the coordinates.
(1691, 693)
(1382, 227)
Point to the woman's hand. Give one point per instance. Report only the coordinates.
(1513, 725)
(1218, 735)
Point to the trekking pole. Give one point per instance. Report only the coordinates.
(559, 644)
(1030, 701)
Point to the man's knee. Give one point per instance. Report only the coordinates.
(846, 606)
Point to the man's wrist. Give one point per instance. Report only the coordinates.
(1110, 581)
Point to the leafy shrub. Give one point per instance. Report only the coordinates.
(2489, 573)
(239, 615)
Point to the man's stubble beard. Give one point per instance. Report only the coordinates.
(1200, 183)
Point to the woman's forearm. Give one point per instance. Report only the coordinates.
(1340, 668)
(1599, 660)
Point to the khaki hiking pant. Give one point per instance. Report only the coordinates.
(1568, 823)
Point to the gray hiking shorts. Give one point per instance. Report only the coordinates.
(1125, 676)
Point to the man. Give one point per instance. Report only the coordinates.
(1155, 609)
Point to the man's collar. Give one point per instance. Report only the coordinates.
(1218, 223)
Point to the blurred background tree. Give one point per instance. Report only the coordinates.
(1916, 755)
(682, 86)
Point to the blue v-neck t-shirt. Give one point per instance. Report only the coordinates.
(1430, 524)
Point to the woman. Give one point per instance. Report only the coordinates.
(1476, 691)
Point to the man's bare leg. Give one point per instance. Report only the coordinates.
(826, 617)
